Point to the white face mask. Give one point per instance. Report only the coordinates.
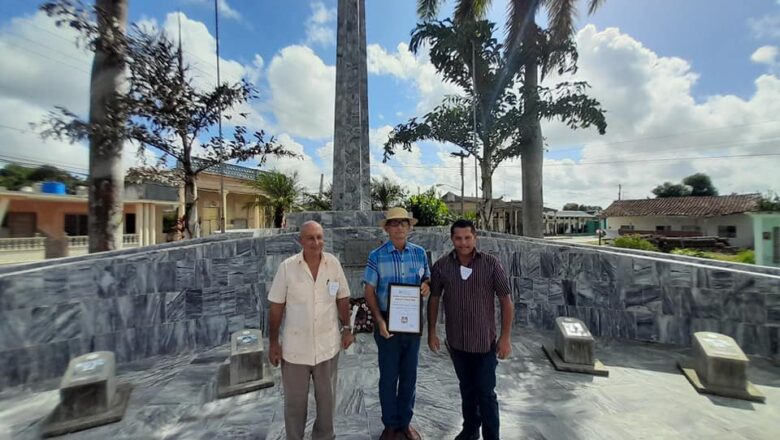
(465, 272)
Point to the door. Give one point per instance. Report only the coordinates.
(22, 224)
(209, 222)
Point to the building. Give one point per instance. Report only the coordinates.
(574, 222)
(36, 225)
(766, 241)
(507, 214)
(239, 199)
(721, 216)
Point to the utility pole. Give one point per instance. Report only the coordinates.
(620, 191)
(322, 182)
(462, 156)
(222, 199)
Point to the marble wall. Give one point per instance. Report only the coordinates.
(171, 299)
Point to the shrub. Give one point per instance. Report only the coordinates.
(428, 209)
(634, 242)
(688, 252)
(747, 256)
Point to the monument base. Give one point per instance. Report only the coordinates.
(224, 389)
(597, 369)
(55, 424)
(750, 392)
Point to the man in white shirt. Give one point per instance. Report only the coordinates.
(311, 292)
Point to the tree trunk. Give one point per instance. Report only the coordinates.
(486, 207)
(106, 176)
(190, 220)
(532, 157)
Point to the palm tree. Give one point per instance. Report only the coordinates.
(525, 45)
(385, 194)
(279, 192)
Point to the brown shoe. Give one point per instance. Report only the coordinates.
(388, 434)
(411, 433)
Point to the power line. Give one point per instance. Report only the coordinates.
(47, 57)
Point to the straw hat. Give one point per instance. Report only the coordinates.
(397, 214)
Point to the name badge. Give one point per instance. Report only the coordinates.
(333, 288)
(465, 272)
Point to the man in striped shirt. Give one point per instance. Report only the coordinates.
(399, 262)
(469, 281)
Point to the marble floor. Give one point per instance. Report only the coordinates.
(645, 397)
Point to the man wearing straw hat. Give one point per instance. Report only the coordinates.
(400, 262)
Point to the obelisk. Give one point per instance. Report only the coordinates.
(351, 167)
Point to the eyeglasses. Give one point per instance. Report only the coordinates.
(396, 222)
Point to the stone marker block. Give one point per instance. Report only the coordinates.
(719, 367)
(89, 384)
(574, 348)
(247, 368)
(246, 356)
(89, 395)
(719, 361)
(573, 341)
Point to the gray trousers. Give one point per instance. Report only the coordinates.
(295, 379)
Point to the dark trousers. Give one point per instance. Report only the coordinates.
(477, 376)
(397, 377)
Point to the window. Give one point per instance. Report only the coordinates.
(76, 224)
(660, 228)
(627, 227)
(129, 223)
(727, 231)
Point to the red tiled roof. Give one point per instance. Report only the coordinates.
(710, 206)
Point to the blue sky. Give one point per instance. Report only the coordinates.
(688, 85)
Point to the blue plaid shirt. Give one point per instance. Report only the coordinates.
(388, 265)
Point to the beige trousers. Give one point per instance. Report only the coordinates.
(295, 379)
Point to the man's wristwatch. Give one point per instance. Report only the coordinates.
(345, 327)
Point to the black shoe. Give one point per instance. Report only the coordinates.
(463, 435)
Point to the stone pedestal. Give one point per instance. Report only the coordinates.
(574, 348)
(247, 369)
(719, 367)
(89, 395)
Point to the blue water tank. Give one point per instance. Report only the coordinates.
(53, 187)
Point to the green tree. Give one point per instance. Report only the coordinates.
(530, 50)
(162, 109)
(385, 194)
(428, 209)
(701, 185)
(319, 202)
(770, 202)
(461, 52)
(669, 189)
(279, 192)
(14, 176)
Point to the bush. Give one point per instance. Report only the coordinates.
(747, 256)
(634, 242)
(688, 252)
(428, 209)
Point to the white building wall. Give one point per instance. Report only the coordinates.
(708, 225)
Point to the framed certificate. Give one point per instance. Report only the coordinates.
(404, 309)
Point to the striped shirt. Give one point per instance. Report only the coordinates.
(469, 305)
(386, 265)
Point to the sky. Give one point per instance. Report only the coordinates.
(688, 86)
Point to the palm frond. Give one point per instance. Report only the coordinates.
(562, 15)
(470, 10)
(593, 5)
(428, 9)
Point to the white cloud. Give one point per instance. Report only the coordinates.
(308, 171)
(404, 65)
(303, 92)
(765, 55)
(319, 29)
(225, 10)
(767, 26)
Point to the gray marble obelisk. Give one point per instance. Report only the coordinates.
(351, 174)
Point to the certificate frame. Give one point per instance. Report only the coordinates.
(404, 309)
